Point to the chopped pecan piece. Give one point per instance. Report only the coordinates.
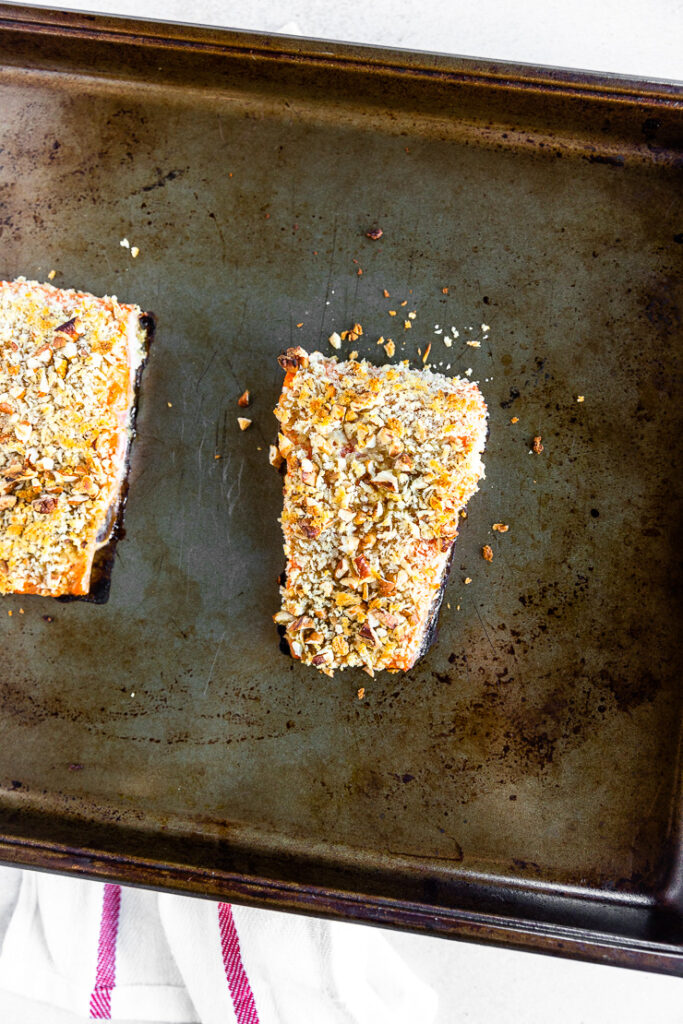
(293, 358)
(385, 479)
(537, 447)
(45, 505)
(303, 622)
(374, 233)
(71, 328)
(368, 634)
(244, 399)
(487, 552)
(309, 530)
(386, 587)
(7, 501)
(362, 566)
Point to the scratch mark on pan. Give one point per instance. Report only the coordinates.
(213, 663)
(355, 293)
(208, 365)
(234, 484)
(218, 229)
(329, 280)
(484, 628)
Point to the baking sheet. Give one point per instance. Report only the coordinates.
(521, 784)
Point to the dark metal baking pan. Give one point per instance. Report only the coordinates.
(521, 785)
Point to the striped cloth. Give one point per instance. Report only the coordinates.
(108, 952)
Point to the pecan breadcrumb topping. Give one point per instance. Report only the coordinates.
(67, 376)
(380, 460)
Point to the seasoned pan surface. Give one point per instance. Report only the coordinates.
(520, 784)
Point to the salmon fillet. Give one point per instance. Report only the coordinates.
(68, 366)
(380, 461)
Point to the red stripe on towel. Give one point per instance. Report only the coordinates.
(105, 977)
(236, 976)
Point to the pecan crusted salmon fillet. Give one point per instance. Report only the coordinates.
(68, 367)
(380, 461)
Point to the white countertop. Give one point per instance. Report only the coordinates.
(644, 38)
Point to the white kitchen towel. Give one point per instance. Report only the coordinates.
(111, 952)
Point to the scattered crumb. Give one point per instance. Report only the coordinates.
(537, 447)
(335, 340)
(360, 271)
(457, 607)
(463, 515)
(135, 252)
(456, 334)
(468, 579)
(390, 348)
(444, 291)
(244, 399)
(407, 324)
(404, 303)
(468, 371)
(485, 328)
(170, 405)
(51, 276)
(385, 293)
(21, 611)
(448, 604)
(380, 341)
(124, 243)
(392, 312)
(487, 552)
(448, 342)
(374, 233)
(9, 612)
(427, 351)
(243, 422)
(274, 456)
(474, 344)
(218, 456)
(500, 527)
(412, 314)
(48, 618)
(579, 398)
(353, 355)
(515, 419)
(353, 334)
(300, 325)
